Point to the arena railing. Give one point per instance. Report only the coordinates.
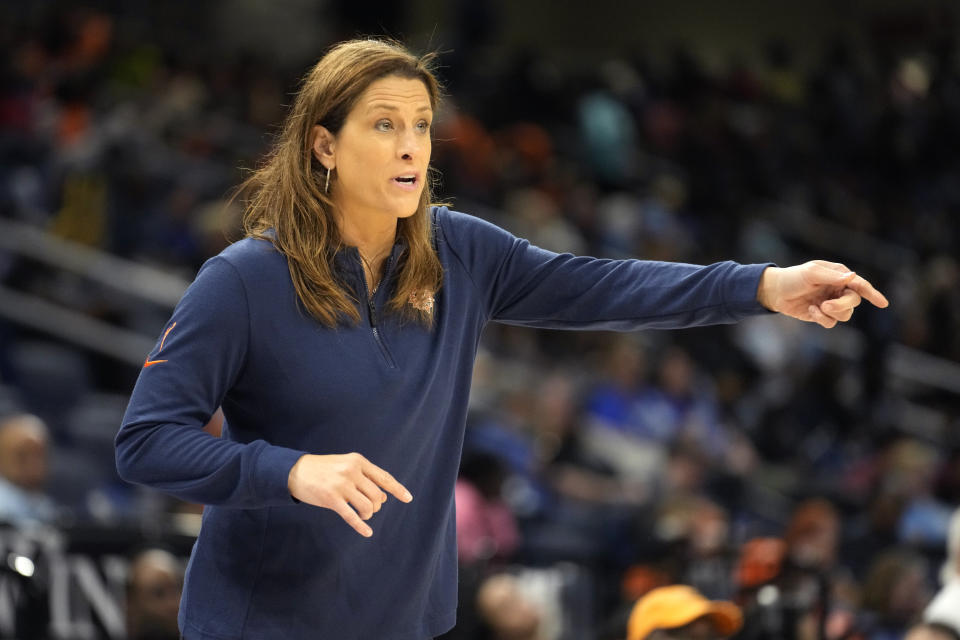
(135, 280)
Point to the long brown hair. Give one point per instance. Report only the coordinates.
(286, 193)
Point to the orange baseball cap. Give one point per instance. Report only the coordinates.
(679, 605)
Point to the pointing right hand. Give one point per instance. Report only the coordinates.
(348, 484)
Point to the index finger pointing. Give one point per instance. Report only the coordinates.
(866, 290)
(386, 481)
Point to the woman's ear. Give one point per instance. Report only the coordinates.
(323, 146)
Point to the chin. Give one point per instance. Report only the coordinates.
(407, 210)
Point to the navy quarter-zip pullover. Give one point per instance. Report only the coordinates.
(266, 566)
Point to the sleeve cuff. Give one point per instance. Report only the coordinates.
(272, 473)
(742, 297)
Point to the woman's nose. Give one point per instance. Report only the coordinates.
(410, 144)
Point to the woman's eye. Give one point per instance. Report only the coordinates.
(423, 125)
(383, 125)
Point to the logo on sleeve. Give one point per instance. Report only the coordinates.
(148, 362)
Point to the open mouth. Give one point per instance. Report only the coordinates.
(408, 182)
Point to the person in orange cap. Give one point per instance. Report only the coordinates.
(682, 613)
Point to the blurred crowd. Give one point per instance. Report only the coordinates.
(760, 464)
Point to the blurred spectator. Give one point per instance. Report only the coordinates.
(697, 531)
(792, 589)
(622, 374)
(608, 132)
(154, 583)
(586, 505)
(813, 536)
(536, 217)
(945, 606)
(894, 594)
(568, 467)
(909, 472)
(943, 302)
(681, 612)
(665, 235)
(760, 561)
(784, 82)
(615, 432)
(23, 471)
(506, 612)
(681, 409)
(486, 528)
(809, 593)
(932, 631)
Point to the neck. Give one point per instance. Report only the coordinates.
(372, 236)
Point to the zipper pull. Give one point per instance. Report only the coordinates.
(373, 313)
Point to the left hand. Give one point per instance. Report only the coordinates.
(816, 291)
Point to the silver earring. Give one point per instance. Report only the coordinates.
(326, 187)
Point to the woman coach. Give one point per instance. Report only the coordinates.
(339, 338)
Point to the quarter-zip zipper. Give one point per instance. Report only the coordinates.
(372, 312)
(378, 338)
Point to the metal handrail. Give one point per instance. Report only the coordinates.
(835, 239)
(107, 339)
(142, 281)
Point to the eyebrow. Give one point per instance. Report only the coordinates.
(390, 107)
